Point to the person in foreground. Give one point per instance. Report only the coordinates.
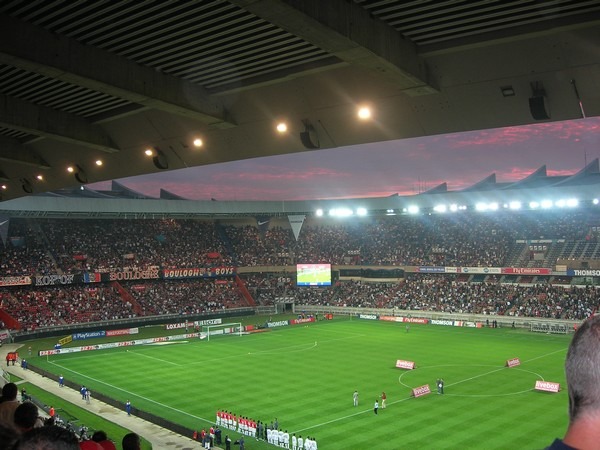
(582, 369)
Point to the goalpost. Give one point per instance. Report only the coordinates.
(235, 328)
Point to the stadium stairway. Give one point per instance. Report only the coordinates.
(160, 438)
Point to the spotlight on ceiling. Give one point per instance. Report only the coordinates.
(309, 136)
(537, 101)
(78, 173)
(26, 186)
(159, 159)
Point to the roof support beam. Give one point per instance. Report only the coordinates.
(348, 31)
(37, 50)
(11, 150)
(50, 123)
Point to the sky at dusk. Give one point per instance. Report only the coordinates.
(403, 167)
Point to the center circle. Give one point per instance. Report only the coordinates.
(459, 385)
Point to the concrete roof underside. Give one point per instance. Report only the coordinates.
(81, 81)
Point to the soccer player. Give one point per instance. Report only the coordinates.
(376, 407)
(300, 443)
(355, 398)
(294, 442)
(383, 399)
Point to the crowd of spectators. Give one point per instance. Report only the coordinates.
(61, 246)
(195, 296)
(36, 307)
(37, 246)
(440, 293)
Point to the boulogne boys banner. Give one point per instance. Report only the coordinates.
(123, 275)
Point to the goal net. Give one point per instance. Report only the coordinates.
(223, 329)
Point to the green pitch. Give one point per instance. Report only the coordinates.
(305, 377)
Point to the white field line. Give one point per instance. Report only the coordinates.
(133, 395)
(370, 410)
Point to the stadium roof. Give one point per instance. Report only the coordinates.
(123, 202)
(87, 81)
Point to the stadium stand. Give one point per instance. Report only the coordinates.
(39, 246)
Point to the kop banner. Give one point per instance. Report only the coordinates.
(197, 272)
(15, 281)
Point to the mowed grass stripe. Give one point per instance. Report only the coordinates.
(305, 377)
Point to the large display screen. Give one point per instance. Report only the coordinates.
(313, 274)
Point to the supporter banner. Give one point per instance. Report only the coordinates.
(547, 386)
(480, 270)
(198, 272)
(420, 391)
(150, 274)
(15, 281)
(526, 271)
(296, 221)
(86, 348)
(299, 321)
(4, 334)
(415, 320)
(430, 269)
(391, 318)
(122, 332)
(402, 364)
(55, 279)
(513, 362)
(368, 316)
(280, 323)
(89, 335)
(94, 277)
(451, 269)
(583, 273)
(447, 323)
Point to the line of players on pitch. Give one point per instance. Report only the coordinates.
(271, 433)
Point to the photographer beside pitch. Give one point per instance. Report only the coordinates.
(582, 368)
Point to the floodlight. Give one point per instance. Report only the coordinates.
(534, 205)
(514, 205)
(340, 212)
(319, 212)
(546, 204)
(361, 211)
(413, 209)
(440, 208)
(572, 203)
